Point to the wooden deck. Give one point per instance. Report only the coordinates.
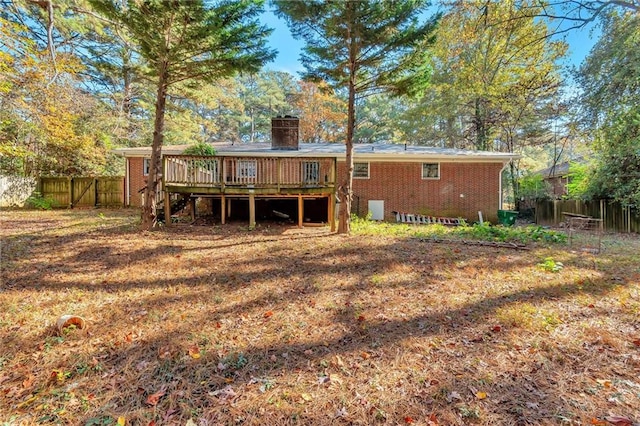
(248, 175)
(251, 177)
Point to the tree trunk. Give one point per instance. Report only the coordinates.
(150, 199)
(480, 122)
(345, 192)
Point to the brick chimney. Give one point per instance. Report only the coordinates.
(285, 132)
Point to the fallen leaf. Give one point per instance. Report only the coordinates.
(152, 423)
(268, 314)
(122, 421)
(619, 420)
(128, 338)
(481, 395)
(636, 342)
(361, 318)
(155, 397)
(408, 419)
(605, 383)
(190, 422)
(225, 394)
(454, 395)
(595, 421)
(497, 328)
(433, 420)
(365, 355)
(306, 397)
(164, 352)
(194, 351)
(26, 383)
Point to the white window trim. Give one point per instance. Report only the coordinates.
(368, 169)
(427, 177)
(146, 166)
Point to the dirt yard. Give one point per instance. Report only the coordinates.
(209, 325)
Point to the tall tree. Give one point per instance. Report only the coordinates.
(610, 82)
(264, 95)
(363, 48)
(47, 125)
(188, 40)
(321, 113)
(494, 72)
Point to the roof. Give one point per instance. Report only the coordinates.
(560, 170)
(362, 152)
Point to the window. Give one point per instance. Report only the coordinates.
(361, 170)
(146, 164)
(310, 172)
(430, 170)
(246, 169)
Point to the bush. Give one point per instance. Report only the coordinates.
(200, 148)
(37, 201)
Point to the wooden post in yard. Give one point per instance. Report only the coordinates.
(332, 201)
(193, 208)
(167, 208)
(252, 210)
(223, 209)
(300, 210)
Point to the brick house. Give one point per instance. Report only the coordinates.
(300, 180)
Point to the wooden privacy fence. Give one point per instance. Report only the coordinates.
(106, 191)
(614, 216)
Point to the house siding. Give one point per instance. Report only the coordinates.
(402, 188)
(137, 180)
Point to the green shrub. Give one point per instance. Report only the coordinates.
(37, 201)
(484, 232)
(200, 148)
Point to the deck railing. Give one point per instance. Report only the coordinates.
(250, 172)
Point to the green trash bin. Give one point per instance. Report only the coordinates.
(507, 217)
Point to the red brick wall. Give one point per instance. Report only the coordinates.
(402, 188)
(137, 180)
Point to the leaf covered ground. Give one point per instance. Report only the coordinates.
(208, 325)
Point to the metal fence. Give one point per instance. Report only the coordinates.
(614, 216)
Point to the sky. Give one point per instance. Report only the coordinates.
(580, 43)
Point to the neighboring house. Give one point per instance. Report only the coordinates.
(300, 180)
(557, 178)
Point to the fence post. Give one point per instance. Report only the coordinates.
(70, 190)
(555, 212)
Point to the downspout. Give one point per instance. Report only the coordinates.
(504, 167)
(127, 184)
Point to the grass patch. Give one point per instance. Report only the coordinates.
(300, 326)
(483, 232)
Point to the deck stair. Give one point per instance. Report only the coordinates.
(177, 205)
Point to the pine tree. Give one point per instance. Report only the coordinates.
(188, 41)
(365, 47)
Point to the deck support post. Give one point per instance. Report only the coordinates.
(252, 211)
(193, 208)
(332, 212)
(223, 209)
(167, 208)
(300, 210)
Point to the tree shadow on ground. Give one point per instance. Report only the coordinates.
(385, 317)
